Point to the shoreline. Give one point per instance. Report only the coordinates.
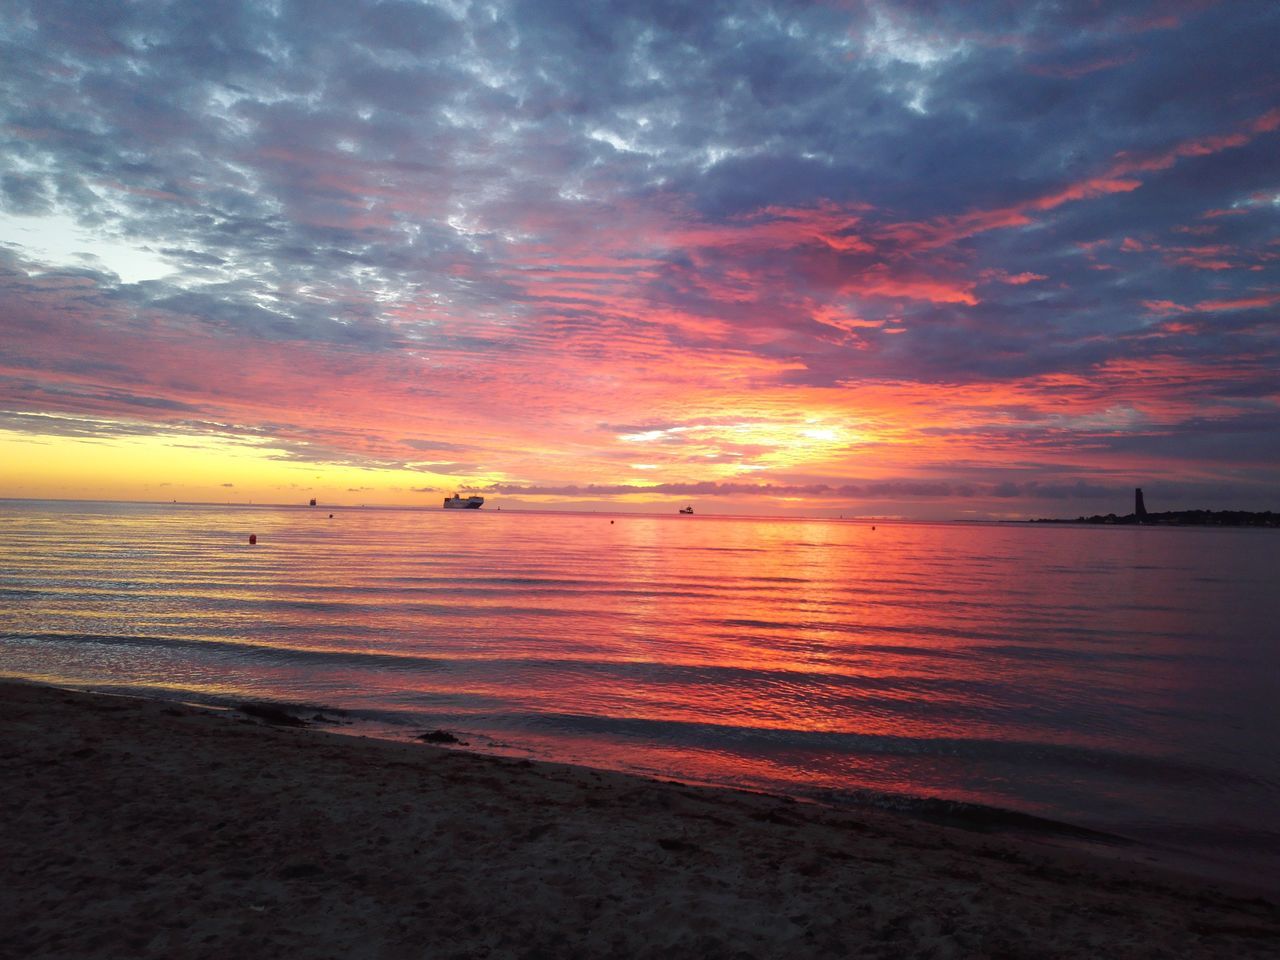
(149, 828)
(972, 817)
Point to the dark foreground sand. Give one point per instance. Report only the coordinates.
(131, 828)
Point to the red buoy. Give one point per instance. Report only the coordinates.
(253, 538)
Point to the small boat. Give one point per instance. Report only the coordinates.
(686, 509)
(459, 503)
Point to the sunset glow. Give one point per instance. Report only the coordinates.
(811, 258)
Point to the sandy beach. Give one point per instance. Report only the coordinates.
(136, 828)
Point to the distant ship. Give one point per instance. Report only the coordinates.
(458, 503)
(686, 509)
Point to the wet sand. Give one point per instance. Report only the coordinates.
(133, 828)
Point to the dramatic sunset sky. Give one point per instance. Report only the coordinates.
(908, 259)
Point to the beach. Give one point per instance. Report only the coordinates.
(154, 829)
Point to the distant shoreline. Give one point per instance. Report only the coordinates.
(1181, 518)
(1203, 518)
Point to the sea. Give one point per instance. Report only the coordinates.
(1113, 686)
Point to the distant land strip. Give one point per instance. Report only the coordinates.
(1183, 518)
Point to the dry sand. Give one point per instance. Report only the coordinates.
(140, 829)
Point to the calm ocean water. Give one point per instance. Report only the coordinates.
(1119, 679)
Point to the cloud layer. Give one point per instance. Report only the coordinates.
(834, 253)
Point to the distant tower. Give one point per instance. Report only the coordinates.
(1139, 508)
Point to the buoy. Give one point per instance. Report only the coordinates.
(331, 516)
(611, 523)
(873, 526)
(253, 538)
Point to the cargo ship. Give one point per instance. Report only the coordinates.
(463, 503)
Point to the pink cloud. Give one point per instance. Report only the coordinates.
(1257, 302)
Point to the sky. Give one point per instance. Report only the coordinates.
(913, 259)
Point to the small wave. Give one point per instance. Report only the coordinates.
(852, 627)
(967, 815)
(1023, 754)
(237, 649)
(647, 672)
(1046, 653)
(15, 593)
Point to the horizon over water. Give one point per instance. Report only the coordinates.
(1118, 679)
